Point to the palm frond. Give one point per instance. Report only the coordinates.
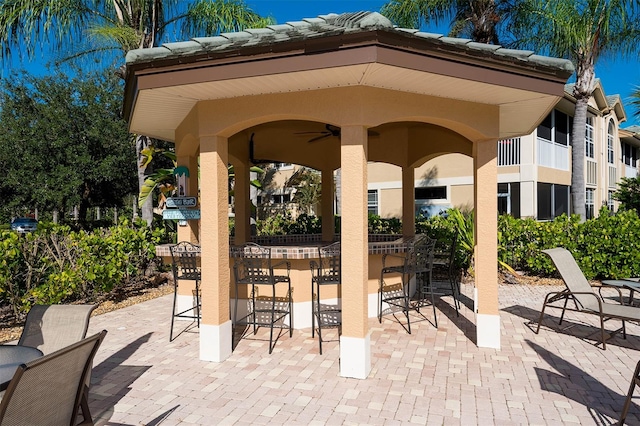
(209, 18)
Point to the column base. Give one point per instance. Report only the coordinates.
(215, 341)
(355, 356)
(488, 331)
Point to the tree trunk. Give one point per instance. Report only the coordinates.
(143, 142)
(578, 186)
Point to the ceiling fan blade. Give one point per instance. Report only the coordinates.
(317, 138)
(319, 132)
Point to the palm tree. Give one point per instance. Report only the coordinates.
(77, 28)
(476, 19)
(635, 100)
(583, 31)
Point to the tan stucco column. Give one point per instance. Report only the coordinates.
(355, 344)
(241, 198)
(326, 206)
(215, 326)
(408, 201)
(191, 232)
(486, 240)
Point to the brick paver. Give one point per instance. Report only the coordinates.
(430, 377)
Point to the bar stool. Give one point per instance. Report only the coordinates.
(417, 263)
(253, 267)
(326, 272)
(184, 263)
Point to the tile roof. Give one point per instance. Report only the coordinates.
(335, 25)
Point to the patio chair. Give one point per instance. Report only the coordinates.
(253, 267)
(48, 390)
(635, 381)
(325, 272)
(444, 266)
(184, 264)
(416, 264)
(585, 299)
(53, 327)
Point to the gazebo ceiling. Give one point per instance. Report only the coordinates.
(334, 51)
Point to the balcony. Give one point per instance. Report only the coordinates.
(630, 171)
(509, 152)
(553, 155)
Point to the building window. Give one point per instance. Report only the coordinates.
(430, 201)
(589, 146)
(372, 201)
(553, 200)
(555, 128)
(589, 201)
(509, 198)
(610, 201)
(610, 156)
(629, 155)
(281, 198)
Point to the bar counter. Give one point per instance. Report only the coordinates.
(299, 250)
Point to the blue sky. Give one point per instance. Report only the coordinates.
(618, 76)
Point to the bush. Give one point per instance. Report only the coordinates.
(604, 247)
(56, 264)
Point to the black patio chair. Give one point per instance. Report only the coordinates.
(417, 263)
(184, 264)
(325, 272)
(253, 267)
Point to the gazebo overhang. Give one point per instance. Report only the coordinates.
(398, 96)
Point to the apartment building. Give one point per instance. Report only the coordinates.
(534, 171)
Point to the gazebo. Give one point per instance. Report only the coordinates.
(389, 94)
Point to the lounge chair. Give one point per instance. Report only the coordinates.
(47, 391)
(582, 294)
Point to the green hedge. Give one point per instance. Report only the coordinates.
(605, 247)
(56, 264)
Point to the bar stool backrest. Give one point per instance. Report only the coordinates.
(252, 263)
(184, 258)
(330, 264)
(423, 252)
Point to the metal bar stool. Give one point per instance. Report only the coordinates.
(325, 272)
(253, 267)
(184, 258)
(417, 263)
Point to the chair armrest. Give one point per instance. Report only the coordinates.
(601, 286)
(395, 256)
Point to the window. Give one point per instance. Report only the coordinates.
(372, 201)
(589, 146)
(509, 198)
(431, 193)
(629, 155)
(590, 206)
(553, 200)
(555, 128)
(610, 156)
(610, 201)
(281, 198)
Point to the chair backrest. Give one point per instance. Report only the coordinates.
(184, 261)
(422, 253)
(52, 327)
(330, 264)
(252, 263)
(47, 391)
(572, 276)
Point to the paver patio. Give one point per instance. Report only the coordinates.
(429, 377)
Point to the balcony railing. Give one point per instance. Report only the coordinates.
(553, 155)
(630, 171)
(509, 152)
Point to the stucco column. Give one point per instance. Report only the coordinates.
(408, 201)
(191, 232)
(355, 345)
(486, 240)
(241, 197)
(326, 206)
(215, 326)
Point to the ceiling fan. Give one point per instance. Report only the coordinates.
(331, 131)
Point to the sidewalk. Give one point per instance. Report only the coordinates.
(429, 377)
